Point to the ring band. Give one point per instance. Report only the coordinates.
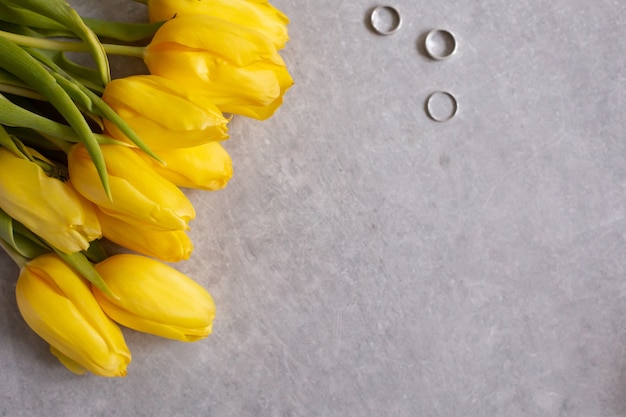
(431, 113)
(449, 43)
(396, 20)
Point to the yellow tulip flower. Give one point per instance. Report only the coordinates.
(155, 298)
(166, 245)
(259, 15)
(238, 68)
(166, 114)
(206, 167)
(58, 305)
(139, 194)
(47, 206)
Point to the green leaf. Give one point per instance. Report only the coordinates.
(8, 78)
(96, 252)
(21, 64)
(17, 119)
(25, 17)
(6, 228)
(57, 61)
(85, 75)
(13, 85)
(29, 245)
(95, 104)
(16, 116)
(82, 265)
(35, 139)
(91, 101)
(17, 258)
(61, 12)
(20, 239)
(7, 142)
(22, 243)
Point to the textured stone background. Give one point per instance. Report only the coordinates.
(367, 261)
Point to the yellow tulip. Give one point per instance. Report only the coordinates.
(58, 305)
(47, 206)
(206, 167)
(166, 245)
(259, 15)
(239, 69)
(164, 113)
(155, 298)
(139, 194)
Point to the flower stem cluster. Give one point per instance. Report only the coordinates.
(87, 157)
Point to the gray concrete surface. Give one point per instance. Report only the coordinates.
(367, 261)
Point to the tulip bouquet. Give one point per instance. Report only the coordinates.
(84, 157)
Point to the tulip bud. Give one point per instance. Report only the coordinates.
(166, 114)
(47, 206)
(238, 68)
(166, 245)
(138, 193)
(58, 305)
(155, 298)
(258, 15)
(205, 167)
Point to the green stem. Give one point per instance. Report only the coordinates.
(124, 50)
(71, 46)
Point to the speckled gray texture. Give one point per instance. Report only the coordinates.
(367, 261)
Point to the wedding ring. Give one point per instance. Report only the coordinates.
(440, 44)
(441, 106)
(385, 20)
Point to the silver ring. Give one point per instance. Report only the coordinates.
(447, 44)
(433, 115)
(395, 23)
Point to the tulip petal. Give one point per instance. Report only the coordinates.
(155, 298)
(138, 192)
(232, 89)
(59, 306)
(232, 64)
(165, 113)
(206, 167)
(234, 43)
(21, 64)
(70, 364)
(260, 15)
(165, 245)
(47, 206)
